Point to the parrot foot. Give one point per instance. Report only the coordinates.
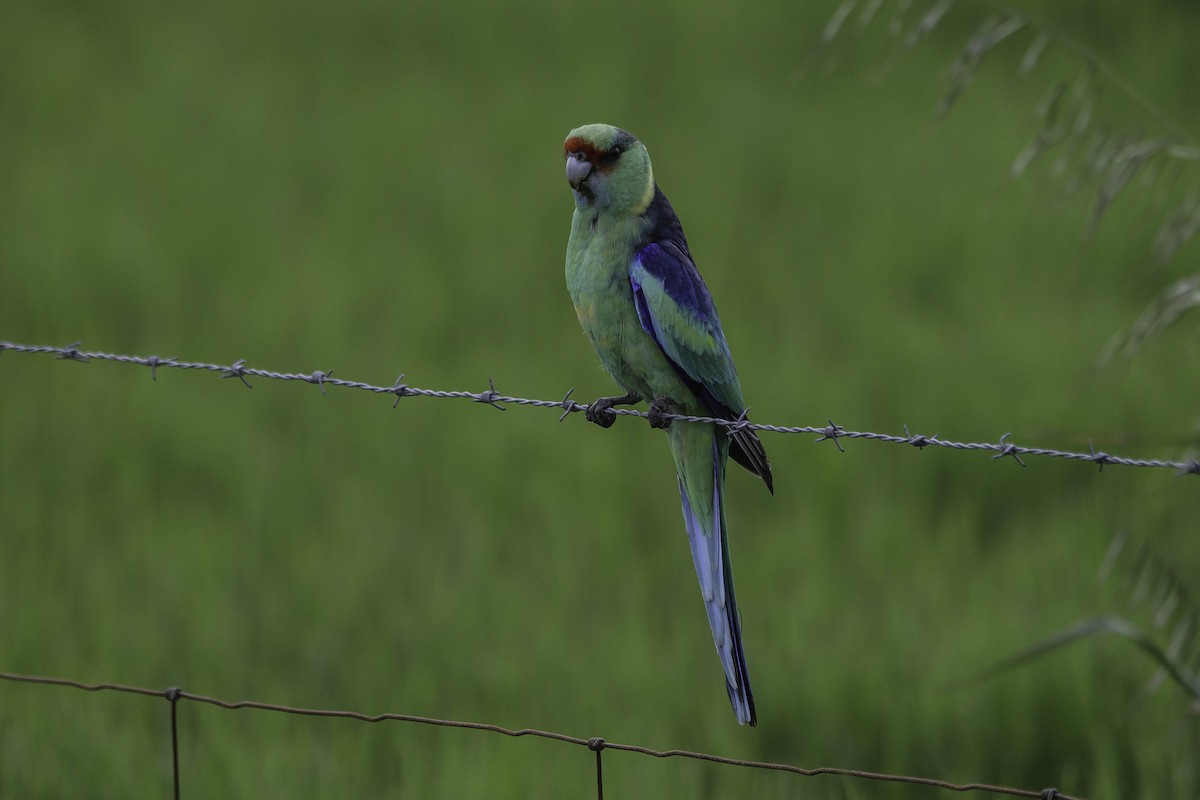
(660, 406)
(597, 410)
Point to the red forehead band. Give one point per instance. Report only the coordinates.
(577, 144)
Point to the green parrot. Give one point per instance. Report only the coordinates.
(649, 315)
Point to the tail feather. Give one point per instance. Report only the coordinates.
(709, 543)
(748, 451)
(741, 697)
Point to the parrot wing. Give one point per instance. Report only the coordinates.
(676, 309)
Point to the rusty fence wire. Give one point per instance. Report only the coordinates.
(1001, 448)
(596, 744)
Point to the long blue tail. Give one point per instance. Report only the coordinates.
(710, 553)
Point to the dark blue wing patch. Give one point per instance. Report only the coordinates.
(674, 267)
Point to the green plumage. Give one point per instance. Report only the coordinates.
(598, 257)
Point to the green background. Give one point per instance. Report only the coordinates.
(377, 188)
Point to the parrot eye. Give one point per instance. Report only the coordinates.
(612, 154)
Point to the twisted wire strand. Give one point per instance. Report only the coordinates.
(1001, 448)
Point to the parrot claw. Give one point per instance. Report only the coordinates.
(660, 406)
(597, 410)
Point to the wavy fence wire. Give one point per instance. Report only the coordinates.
(596, 744)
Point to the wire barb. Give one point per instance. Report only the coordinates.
(238, 370)
(152, 362)
(566, 406)
(1007, 449)
(569, 406)
(320, 377)
(740, 424)
(490, 397)
(1099, 456)
(399, 389)
(71, 353)
(918, 440)
(833, 432)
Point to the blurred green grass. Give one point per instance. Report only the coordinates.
(377, 189)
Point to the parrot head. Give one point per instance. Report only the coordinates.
(608, 169)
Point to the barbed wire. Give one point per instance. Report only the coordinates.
(595, 743)
(1002, 448)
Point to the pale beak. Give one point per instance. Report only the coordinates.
(578, 169)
